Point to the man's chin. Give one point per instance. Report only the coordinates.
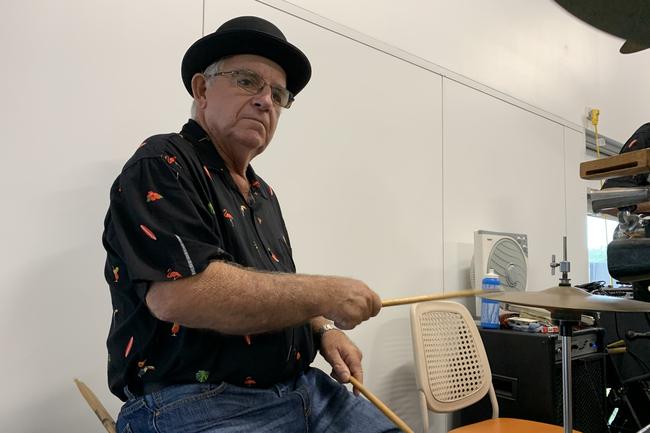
(253, 141)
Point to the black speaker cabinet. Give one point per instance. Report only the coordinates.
(527, 378)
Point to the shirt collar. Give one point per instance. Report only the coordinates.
(208, 153)
(210, 156)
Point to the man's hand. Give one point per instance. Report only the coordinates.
(351, 302)
(343, 355)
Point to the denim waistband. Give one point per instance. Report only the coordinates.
(154, 387)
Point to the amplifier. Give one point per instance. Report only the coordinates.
(582, 343)
(527, 378)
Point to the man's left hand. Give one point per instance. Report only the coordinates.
(343, 355)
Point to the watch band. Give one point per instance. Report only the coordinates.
(326, 327)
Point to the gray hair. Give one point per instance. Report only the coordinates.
(209, 74)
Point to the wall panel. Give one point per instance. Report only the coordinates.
(83, 83)
(533, 51)
(576, 206)
(503, 171)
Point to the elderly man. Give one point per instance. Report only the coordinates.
(212, 330)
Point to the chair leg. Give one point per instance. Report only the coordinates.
(494, 402)
(424, 412)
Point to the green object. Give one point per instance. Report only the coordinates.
(202, 375)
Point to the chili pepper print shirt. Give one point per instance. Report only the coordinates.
(173, 209)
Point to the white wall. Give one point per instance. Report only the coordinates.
(82, 83)
(402, 147)
(532, 50)
(504, 170)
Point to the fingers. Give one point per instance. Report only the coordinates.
(344, 357)
(341, 324)
(357, 371)
(353, 303)
(346, 324)
(340, 370)
(376, 304)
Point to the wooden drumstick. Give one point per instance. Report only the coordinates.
(381, 406)
(424, 298)
(96, 406)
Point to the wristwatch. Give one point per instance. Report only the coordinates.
(326, 327)
(322, 330)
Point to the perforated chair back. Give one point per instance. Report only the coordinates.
(452, 368)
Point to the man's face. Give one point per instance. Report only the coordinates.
(235, 119)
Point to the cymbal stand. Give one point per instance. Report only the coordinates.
(566, 320)
(565, 266)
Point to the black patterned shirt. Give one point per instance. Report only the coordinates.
(173, 209)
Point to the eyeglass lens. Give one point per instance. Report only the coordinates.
(253, 83)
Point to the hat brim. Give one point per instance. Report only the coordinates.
(213, 47)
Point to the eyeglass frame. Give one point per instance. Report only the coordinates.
(234, 73)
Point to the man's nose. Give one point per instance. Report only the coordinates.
(264, 98)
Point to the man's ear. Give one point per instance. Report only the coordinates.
(199, 87)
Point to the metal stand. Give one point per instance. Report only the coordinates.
(566, 320)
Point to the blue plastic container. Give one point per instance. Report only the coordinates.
(490, 308)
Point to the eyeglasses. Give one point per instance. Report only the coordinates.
(252, 83)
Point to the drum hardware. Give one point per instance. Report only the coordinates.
(632, 335)
(564, 265)
(566, 304)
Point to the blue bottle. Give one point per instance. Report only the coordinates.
(490, 308)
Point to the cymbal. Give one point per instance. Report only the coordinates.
(630, 47)
(626, 19)
(569, 298)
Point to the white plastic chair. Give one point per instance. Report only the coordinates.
(453, 371)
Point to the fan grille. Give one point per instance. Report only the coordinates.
(507, 260)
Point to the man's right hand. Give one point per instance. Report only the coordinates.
(352, 302)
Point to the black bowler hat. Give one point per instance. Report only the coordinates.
(247, 35)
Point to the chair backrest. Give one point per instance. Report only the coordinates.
(452, 368)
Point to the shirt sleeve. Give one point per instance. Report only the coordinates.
(162, 224)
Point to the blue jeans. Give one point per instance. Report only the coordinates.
(312, 402)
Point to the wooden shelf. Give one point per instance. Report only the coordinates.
(626, 164)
